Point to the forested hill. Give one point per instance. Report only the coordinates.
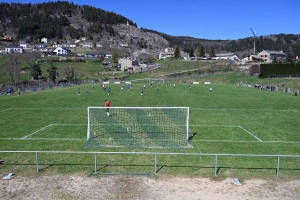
(244, 46)
(56, 20)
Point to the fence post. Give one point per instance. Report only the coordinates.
(37, 161)
(154, 163)
(216, 165)
(278, 163)
(95, 162)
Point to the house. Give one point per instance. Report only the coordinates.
(125, 45)
(226, 56)
(117, 46)
(98, 45)
(62, 51)
(269, 56)
(106, 55)
(14, 49)
(7, 38)
(86, 44)
(125, 63)
(25, 45)
(44, 40)
(40, 48)
(169, 49)
(164, 55)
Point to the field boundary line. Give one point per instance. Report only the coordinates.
(230, 126)
(69, 124)
(5, 110)
(48, 108)
(244, 141)
(295, 111)
(233, 109)
(251, 134)
(36, 131)
(75, 139)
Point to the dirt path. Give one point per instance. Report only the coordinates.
(136, 187)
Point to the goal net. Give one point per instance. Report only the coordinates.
(156, 81)
(156, 127)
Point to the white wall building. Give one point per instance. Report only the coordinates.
(62, 51)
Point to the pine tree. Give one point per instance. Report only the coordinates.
(177, 52)
(290, 56)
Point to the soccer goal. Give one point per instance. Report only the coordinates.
(156, 80)
(156, 127)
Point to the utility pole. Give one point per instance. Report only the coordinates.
(254, 40)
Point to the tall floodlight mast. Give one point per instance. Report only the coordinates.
(254, 40)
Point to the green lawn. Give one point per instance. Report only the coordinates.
(230, 120)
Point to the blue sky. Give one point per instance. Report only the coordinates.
(207, 19)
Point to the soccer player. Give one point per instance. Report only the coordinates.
(210, 89)
(78, 91)
(142, 91)
(174, 85)
(157, 88)
(107, 105)
(19, 92)
(108, 90)
(87, 90)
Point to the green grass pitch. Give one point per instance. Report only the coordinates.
(230, 120)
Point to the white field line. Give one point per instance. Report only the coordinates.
(230, 126)
(5, 110)
(48, 108)
(232, 109)
(42, 139)
(295, 111)
(251, 134)
(36, 131)
(241, 141)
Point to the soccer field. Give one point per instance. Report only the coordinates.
(230, 120)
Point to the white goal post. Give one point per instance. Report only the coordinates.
(155, 127)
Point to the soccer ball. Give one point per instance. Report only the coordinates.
(127, 129)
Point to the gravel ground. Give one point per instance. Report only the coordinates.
(78, 186)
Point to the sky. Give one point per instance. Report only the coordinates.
(205, 19)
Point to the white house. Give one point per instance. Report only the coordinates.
(14, 49)
(125, 63)
(164, 55)
(86, 44)
(227, 56)
(25, 45)
(269, 56)
(62, 51)
(44, 40)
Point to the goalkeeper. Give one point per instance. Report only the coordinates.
(107, 105)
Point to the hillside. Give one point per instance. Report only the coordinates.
(64, 21)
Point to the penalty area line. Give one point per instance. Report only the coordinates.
(251, 134)
(36, 131)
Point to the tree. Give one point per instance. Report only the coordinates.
(192, 53)
(35, 71)
(202, 52)
(146, 58)
(52, 72)
(254, 69)
(177, 52)
(212, 52)
(114, 55)
(68, 72)
(12, 67)
(290, 56)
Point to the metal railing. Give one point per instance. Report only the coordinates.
(155, 155)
